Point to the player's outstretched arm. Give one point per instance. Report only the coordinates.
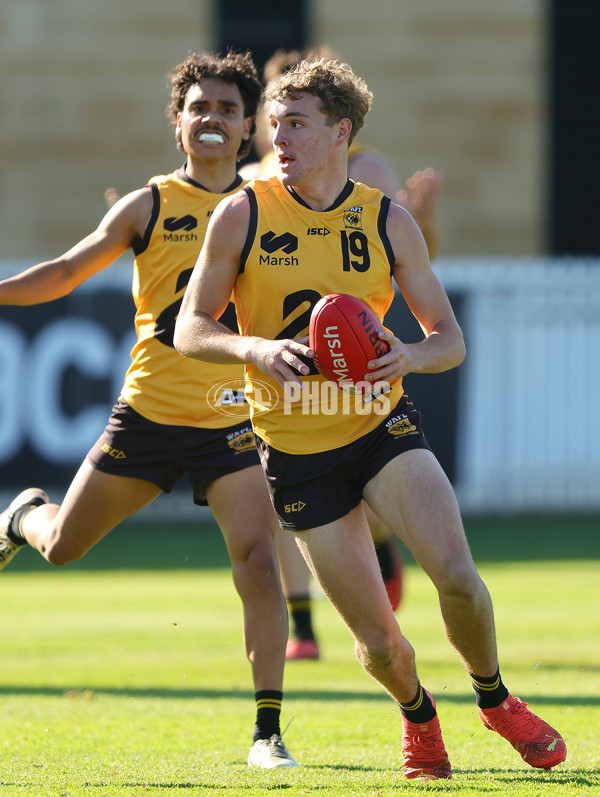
(198, 333)
(53, 279)
(419, 196)
(442, 346)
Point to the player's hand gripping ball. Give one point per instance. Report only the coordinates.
(344, 334)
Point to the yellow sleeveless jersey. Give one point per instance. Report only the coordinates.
(161, 384)
(294, 256)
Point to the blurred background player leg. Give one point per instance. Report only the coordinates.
(390, 561)
(295, 580)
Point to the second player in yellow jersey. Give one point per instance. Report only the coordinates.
(160, 384)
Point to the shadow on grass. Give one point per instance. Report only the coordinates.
(89, 692)
(505, 778)
(552, 780)
(154, 546)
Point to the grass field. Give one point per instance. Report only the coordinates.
(123, 674)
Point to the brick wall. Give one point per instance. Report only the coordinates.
(83, 93)
(457, 85)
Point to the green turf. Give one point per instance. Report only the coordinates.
(123, 674)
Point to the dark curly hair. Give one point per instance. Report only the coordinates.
(234, 68)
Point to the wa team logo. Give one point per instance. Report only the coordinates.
(400, 426)
(353, 218)
(232, 397)
(242, 441)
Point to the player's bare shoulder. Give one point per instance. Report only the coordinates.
(130, 213)
(229, 221)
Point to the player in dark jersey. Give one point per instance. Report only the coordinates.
(174, 415)
(321, 463)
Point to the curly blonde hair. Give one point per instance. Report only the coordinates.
(342, 93)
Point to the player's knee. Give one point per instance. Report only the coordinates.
(461, 583)
(380, 649)
(257, 568)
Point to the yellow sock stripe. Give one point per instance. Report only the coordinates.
(486, 687)
(268, 703)
(22, 518)
(416, 705)
(299, 606)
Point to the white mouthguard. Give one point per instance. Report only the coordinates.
(211, 137)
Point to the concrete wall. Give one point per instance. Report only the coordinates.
(459, 86)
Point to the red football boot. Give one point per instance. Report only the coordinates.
(425, 756)
(297, 649)
(538, 744)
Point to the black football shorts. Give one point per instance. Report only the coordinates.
(134, 446)
(310, 490)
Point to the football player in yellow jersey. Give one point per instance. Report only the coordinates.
(174, 415)
(419, 197)
(321, 462)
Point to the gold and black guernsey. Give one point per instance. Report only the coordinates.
(293, 256)
(161, 384)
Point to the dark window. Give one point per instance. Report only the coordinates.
(574, 74)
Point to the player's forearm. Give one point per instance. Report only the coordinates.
(440, 351)
(202, 338)
(38, 284)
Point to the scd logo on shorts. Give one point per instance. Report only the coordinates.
(230, 398)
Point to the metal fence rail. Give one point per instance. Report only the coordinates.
(529, 435)
(528, 430)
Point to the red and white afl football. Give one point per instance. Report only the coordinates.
(343, 333)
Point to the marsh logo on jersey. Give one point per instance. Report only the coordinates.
(353, 218)
(241, 440)
(270, 243)
(401, 426)
(174, 225)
